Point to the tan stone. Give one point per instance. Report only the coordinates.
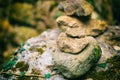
(71, 45)
(75, 28)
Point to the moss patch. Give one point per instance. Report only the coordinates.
(40, 50)
(36, 71)
(97, 54)
(22, 66)
(113, 73)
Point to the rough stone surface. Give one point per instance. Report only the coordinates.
(41, 52)
(76, 7)
(38, 55)
(107, 52)
(71, 45)
(75, 28)
(73, 66)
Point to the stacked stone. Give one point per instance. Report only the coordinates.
(77, 49)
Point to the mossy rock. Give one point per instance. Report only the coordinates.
(112, 73)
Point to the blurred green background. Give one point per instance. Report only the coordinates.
(23, 19)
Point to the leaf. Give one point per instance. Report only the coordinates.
(48, 75)
(22, 73)
(21, 49)
(13, 63)
(102, 65)
(9, 65)
(8, 68)
(15, 59)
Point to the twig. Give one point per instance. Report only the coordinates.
(27, 75)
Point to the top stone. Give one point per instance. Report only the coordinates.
(76, 7)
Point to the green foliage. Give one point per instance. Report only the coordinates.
(21, 49)
(48, 75)
(102, 65)
(9, 65)
(15, 58)
(115, 61)
(112, 73)
(97, 53)
(22, 76)
(91, 2)
(56, 70)
(22, 73)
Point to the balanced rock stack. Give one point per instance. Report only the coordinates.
(72, 48)
(77, 49)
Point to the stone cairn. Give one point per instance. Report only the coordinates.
(78, 50)
(72, 49)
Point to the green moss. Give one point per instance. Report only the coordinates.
(97, 53)
(22, 66)
(25, 67)
(112, 73)
(40, 50)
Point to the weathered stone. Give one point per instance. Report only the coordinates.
(107, 52)
(71, 45)
(65, 21)
(76, 7)
(75, 28)
(36, 59)
(73, 66)
(111, 36)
